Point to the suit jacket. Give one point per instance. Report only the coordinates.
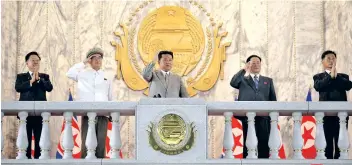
(247, 90)
(157, 84)
(332, 89)
(36, 92)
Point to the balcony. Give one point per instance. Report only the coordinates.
(198, 108)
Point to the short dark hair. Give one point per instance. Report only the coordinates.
(252, 56)
(165, 52)
(326, 53)
(30, 54)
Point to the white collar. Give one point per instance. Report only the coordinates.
(168, 73)
(96, 71)
(328, 71)
(30, 73)
(252, 75)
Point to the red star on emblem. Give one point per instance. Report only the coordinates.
(74, 140)
(307, 135)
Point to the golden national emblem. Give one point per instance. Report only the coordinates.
(199, 56)
(171, 135)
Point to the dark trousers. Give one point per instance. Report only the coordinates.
(101, 130)
(331, 129)
(34, 123)
(262, 129)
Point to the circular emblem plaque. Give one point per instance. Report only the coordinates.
(171, 134)
(171, 129)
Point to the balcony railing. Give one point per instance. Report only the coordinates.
(227, 109)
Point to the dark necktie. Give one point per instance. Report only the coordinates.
(256, 81)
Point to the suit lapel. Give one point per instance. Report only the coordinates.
(161, 78)
(261, 83)
(250, 82)
(169, 78)
(29, 76)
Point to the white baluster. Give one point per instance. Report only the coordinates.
(343, 142)
(320, 142)
(45, 142)
(22, 141)
(2, 136)
(251, 141)
(115, 141)
(228, 137)
(274, 137)
(297, 136)
(91, 141)
(68, 137)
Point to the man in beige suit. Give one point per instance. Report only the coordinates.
(163, 83)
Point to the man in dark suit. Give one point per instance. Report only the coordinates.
(254, 87)
(33, 86)
(332, 86)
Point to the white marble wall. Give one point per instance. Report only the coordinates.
(290, 36)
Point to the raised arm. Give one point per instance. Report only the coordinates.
(73, 72)
(148, 72)
(237, 78)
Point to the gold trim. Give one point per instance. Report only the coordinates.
(202, 9)
(131, 50)
(207, 58)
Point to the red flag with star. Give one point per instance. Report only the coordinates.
(237, 133)
(76, 152)
(308, 129)
(32, 146)
(107, 142)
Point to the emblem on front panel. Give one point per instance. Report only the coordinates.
(171, 134)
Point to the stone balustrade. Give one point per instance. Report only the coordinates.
(227, 109)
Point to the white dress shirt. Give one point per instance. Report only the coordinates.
(252, 75)
(328, 71)
(164, 73)
(92, 85)
(30, 73)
